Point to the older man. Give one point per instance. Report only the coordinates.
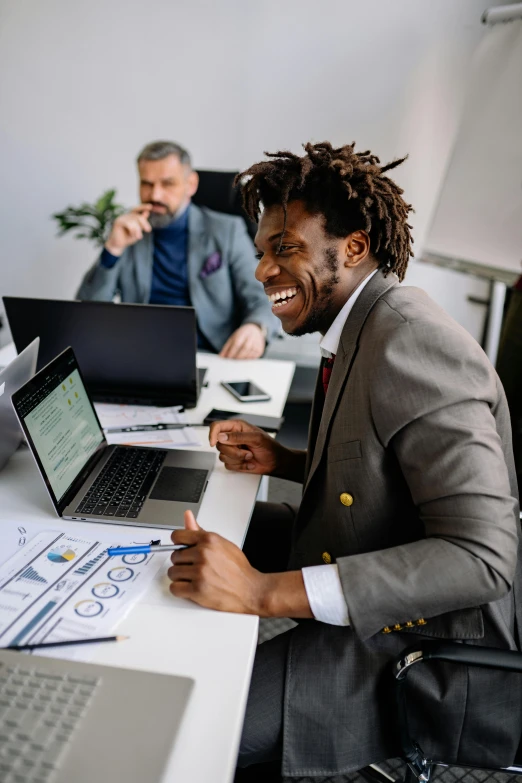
(408, 526)
(169, 251)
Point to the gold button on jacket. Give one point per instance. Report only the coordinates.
(327, 558)
(399, 627)
(346, 499)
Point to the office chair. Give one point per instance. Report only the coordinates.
(419, 766)
(216, 191)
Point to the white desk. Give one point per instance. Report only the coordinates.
(170, 635)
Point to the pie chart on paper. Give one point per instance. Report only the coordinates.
(61, 555)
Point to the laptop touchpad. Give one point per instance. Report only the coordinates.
(181, 484)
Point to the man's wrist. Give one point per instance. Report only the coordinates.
(283, 595)
(290, 465)
(113, 250)
(261, 327)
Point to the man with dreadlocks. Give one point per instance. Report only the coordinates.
(407, 527)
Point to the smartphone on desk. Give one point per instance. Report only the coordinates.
(246, 391)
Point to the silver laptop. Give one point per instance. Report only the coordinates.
(12, 377)
(89, 480)
(64, 721)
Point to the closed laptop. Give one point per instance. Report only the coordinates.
(18, 372)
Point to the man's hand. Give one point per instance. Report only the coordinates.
(247, 342)
(244, 447)
(215, 573)
(128, 229)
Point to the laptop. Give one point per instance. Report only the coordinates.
(129, 353)
(88, 479)
(86, 723)
(12, 377)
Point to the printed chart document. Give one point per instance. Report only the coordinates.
(129, 415)
(14, 536)
(62, 587)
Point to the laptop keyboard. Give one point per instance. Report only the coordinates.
(39, 715)
(122, 487)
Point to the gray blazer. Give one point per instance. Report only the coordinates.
(414, 437)
(221, 265)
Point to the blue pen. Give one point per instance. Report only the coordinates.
(144, 549)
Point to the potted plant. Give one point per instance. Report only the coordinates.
(90, 221)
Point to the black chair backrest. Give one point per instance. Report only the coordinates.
(216, 191)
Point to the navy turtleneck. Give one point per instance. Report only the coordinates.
(170, 270)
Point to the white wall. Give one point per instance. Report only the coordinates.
(480, 205)
(85, 83)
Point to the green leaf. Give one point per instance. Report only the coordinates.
(95, 219)
(104, 203)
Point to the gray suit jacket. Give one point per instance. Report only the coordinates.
(225, 294)
(415, 431)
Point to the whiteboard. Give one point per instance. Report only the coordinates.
(479, 213)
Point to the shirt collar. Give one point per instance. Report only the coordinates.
(330, 342)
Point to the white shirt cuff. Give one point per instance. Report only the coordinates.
(325, 594)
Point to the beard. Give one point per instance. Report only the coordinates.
(322, 312)
(161, 219)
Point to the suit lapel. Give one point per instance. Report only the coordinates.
(315, 417)
(197, 249)
(345, 356)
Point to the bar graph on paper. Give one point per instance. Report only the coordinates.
(58, 584)
(91, 563)
(31, 575)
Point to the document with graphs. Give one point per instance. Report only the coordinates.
(63, 587)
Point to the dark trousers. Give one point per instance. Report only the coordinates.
(267, 547)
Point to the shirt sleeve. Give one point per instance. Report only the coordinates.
(107, 260)
(325, 594)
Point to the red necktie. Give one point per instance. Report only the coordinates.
(327, 371)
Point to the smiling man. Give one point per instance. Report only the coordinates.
(408, 526)
(169, 251)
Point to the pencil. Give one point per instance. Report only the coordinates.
(44, 645)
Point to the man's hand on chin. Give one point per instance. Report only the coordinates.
(247, 342)
(215, 573)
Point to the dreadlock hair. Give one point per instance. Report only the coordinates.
(348, 188)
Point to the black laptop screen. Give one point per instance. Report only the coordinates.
(128, 353)
(60, 420)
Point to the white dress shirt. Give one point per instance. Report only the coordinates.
(323, 583)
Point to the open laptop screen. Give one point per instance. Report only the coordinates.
(58, 417)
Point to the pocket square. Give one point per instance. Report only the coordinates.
(211, 265)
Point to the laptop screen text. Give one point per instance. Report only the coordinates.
(61, 422)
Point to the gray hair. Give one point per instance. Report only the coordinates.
(157, 150)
